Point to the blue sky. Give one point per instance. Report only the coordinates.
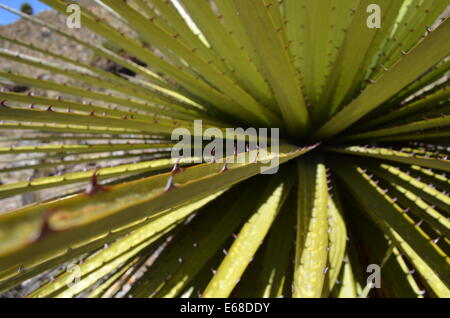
(7, 17)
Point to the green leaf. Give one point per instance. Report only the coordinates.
(337, 243)
(124, 248)
(412, 108)
(39, 231)
(396, 156)
(426, 54)
(248, 240)
(75, 177)
(248, 76)
(275, 60)
(312, 230)
(143, 228)
(355, 53)
(219, 232)
(395, 130)
(426, 255)
(274, 272)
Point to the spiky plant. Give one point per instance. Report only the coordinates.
(363, 114)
